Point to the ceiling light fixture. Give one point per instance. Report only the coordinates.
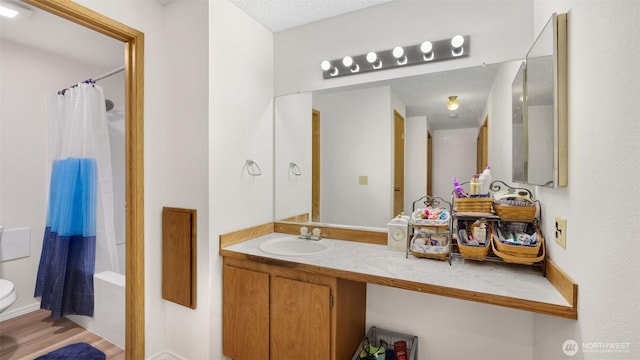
(453, 103)
(424, 52)
(14, 11)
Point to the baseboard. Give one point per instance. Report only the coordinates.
(166, 355)
(20, 311)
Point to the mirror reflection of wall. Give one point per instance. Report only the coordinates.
(540, 109)
(357, 138)
(518, 143)
(545, 124)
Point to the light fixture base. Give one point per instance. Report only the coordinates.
(442, 50)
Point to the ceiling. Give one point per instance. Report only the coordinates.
(279, 15)
(53, 34)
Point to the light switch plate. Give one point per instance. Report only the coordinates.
(561, 232)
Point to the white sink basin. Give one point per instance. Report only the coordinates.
(294, 246)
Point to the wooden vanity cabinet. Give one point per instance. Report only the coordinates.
(288, 313)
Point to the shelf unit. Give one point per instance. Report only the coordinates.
(449, 230)
(493, 220)
(439, 230)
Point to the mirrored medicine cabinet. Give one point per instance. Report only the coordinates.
(539, 109)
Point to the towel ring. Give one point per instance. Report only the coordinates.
(252, 168)
(295, 169)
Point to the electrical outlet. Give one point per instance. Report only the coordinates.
(561, 232)
(364, 180)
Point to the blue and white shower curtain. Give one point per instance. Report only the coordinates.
(79, 235)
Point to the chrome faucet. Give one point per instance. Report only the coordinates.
(315, 234)
(304, 233)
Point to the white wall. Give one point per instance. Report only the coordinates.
(164, 186)
(601, 203)
(415, 161)
(26, 77)
(454, 155)
(500, 122)
(185, 162)
(365, 113)
(292, 121)
(241, 127)
(497, 30)
(113, 87)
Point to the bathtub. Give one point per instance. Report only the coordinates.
(108, 315)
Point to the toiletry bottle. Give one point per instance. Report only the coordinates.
(485, 180)
(474, 185)
(458, 189)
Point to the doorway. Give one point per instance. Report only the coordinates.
(429, 164)
(482, 146)
(315, 165)
(133, 41)
(398, 163)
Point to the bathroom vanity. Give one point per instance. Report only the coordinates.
(320, 298)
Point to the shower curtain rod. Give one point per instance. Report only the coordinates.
(112, 72)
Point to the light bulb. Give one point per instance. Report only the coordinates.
(427, 51)
(456, 43)
(6, 12)
(426, 47)
(348, 62)
(325, 65)
(398, 53)
(372, 58)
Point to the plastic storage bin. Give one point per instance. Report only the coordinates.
(375, 334)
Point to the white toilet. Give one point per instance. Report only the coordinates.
(7, 294)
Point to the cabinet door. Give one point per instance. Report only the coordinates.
(245, 314)
(300, 320)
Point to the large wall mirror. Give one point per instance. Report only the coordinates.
(337, 150)
(545, 117)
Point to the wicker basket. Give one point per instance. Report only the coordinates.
(519, 254)
(475, 205)
(474, 252)
(375, 334)
(417, 221)
(515, 213)
(428, 251)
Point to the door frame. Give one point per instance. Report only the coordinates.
(134, 160)
(482, 146)
(398, 163)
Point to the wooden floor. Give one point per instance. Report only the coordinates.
(34, 334)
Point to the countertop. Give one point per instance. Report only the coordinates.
(511, 285)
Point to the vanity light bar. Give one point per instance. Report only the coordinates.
(426, 52)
